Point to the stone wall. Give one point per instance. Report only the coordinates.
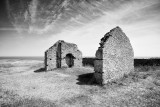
(55, 56)
(71, 48)
(50, 58)
(114, 57)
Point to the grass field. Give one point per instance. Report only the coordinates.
(23, 83)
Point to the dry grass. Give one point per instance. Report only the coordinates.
(20, 86)
(10, 99)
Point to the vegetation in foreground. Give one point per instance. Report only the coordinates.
(21, 87)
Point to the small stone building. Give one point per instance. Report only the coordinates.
(62, 54)
(114, 57)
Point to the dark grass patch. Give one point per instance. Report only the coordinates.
(147, 62)
(29, 102)
(146, 68)
(78, 101)
(137, 62)
(88, 61)
(11, 99)
(152, 98)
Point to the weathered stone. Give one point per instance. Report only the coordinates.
(62, 54)
(114, 57)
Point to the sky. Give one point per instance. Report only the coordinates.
(30, 27)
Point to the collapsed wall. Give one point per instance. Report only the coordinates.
(114, 57)
(63, 54)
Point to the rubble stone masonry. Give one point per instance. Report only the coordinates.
(114, 57)
(63, 54)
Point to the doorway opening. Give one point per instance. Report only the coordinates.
(70, 60)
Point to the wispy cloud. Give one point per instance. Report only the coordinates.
(136, 22)
(85, 22)
(55, 16)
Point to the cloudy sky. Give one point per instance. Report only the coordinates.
(29, 27)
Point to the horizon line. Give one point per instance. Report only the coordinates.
(145, 57)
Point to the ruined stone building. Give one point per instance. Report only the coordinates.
(114, 57)
(62, 54)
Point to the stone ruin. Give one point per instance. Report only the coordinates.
(114, 57)
(62, 54)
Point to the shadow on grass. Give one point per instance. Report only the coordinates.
(40, 70)
(86, 79)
